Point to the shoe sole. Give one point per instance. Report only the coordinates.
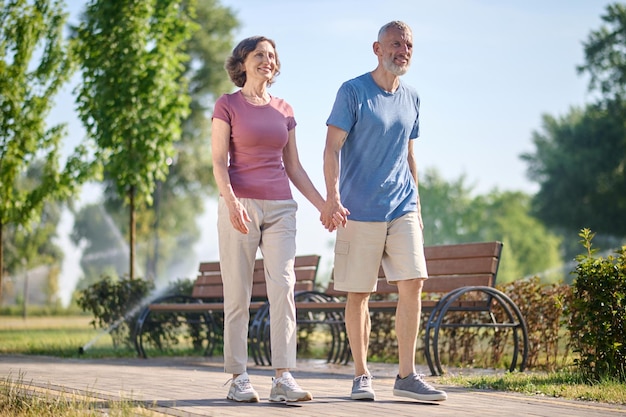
(421, 397)
(251, 400)
(281, 398)
(363, 396)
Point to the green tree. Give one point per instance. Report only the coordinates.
(453, 215)
(605, 56)
(34, 65)
(579, 163)
(605, 63)
(133, 96)
(170, 224)
(529, 247)
(33, 241)
(168, 228)
(579, 160)
(33, 245)
(445, 207)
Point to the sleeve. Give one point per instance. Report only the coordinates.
(291, 118)
(343, 113)
(222, 109)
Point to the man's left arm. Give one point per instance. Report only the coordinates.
(413, 169)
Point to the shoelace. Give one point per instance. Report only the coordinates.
(242, 384)
(423, 381)
(364, 380)
(290, 382)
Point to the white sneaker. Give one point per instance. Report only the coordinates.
(286, 388)
(241, 390)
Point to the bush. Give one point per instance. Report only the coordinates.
(115, 305)
(544, 309)
(598, 313)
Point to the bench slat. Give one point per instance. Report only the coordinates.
(259, 290)
(307, 262)
(302, 274)
(382, 305)
(208, 284)
(487, 265)
(197, 307)
(445, 284)
(440, 284)
(463, 250)
(302, 262)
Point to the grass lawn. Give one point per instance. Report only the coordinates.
(560, 384)
(54, 335)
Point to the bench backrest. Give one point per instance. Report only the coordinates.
(453, 266)
(208, 284)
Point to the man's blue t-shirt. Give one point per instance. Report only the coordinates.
(375, 181)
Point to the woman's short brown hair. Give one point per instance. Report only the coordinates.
(234, 63)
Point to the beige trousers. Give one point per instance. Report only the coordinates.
(273, 231)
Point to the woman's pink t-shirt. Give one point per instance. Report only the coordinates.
(258, 135)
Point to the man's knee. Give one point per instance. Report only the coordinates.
(358, 297)
(411, 285)
(357, 303)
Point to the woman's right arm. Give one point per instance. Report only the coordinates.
(220, 143)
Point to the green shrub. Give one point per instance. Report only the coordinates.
(598, 313)
(115, 305)
(544, 309)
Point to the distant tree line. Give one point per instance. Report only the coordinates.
(579, 160)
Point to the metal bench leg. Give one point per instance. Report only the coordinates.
(428, 344)
(516, 323)
(138, 338)
(257, 335)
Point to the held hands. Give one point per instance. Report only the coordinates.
(333, 215)
(239, 217)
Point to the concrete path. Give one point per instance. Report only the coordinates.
(196, 387)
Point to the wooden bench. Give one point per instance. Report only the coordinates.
(462, 278)
(206, 302)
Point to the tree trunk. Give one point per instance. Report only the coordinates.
(26, 289)
(132, 233)
(152, 262)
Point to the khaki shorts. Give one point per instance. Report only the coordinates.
(361, 248)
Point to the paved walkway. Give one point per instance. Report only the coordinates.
(195, 387)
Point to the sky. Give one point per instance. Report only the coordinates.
(486, 71)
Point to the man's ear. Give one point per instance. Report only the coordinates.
(376, 48)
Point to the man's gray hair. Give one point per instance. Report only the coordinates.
(394, 24)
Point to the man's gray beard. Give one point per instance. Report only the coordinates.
(396, 70)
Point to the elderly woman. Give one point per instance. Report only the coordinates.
(254, 159)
